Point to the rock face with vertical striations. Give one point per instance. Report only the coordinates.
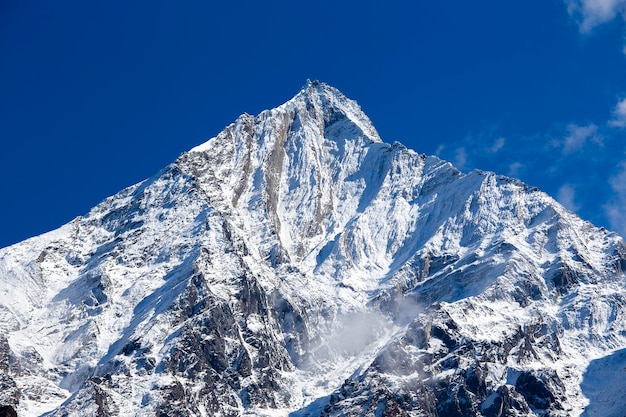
(297, 265)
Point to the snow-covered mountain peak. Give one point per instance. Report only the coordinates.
(334, 107)
(303, 163)
(297, 265)
(318, 106)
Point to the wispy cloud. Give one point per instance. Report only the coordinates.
(515, 169)
(615, 208)
(460, 158)
(592, 13)
(577, 137)
(497, 145)
(619, 115)
(567, 196)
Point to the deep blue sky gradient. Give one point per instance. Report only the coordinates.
(96, 96)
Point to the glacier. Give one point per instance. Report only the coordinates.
(297, 265)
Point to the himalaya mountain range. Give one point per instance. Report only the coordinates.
(297, 265)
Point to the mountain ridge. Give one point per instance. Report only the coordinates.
(295, 264)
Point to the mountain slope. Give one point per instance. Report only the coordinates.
(296, 264)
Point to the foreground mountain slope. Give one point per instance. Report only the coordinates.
(296, 264)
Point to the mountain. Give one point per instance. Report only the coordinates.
(297, 265)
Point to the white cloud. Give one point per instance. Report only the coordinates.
(497, 145)
(460, 158)
(567, 196)
(591, 13)
(615, 209)
(515, 169)
(619, 115)
(577, 137)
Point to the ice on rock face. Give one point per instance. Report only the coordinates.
(296, 264)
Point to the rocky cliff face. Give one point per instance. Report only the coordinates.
(297, 265)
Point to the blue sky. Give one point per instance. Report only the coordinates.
(97, 96)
